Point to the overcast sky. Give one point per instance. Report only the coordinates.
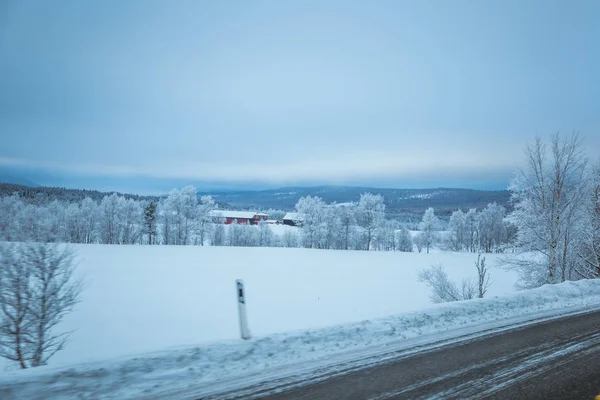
(388, 93)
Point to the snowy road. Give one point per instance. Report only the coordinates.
(559, 359)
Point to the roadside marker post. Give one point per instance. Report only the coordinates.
(241, 296)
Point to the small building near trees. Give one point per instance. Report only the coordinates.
(240, 217)
(292, 219)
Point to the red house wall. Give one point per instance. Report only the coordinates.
(239, 220)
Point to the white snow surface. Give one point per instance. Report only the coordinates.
(154, 374)
(304, 306)
(145, 298)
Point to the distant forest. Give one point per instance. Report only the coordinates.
(45, 195)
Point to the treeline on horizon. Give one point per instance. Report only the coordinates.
(407, 205)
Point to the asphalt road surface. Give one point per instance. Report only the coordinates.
(559, 359)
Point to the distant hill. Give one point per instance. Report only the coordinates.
(408, 204)
(15, 178)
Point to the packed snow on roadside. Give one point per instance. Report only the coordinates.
(178, 369)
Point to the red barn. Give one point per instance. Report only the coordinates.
(241, 217)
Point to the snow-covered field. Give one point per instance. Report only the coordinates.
(146, 298)
(196, 371)
(153, 318)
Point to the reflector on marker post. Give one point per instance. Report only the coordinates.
(241, 296)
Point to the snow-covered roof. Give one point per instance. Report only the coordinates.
(233, 214)
(293, 216)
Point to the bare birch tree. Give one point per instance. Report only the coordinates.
(428, 227)
(546, 195)
(370, 215)
(483, 276)
(15, 296)
(54, 293)
(37, 289)
(588, 265)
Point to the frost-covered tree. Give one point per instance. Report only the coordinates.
(110, 219)
(547, 195)
(429, 226)
(386, 235)
(165, 218)
(132, 221)
(74, 224)
(54, 291)
(81, 221)
(234, 231)
(189, 212)
(457, 228)
(347, 217)
(370, 215)
(588, 249)
(89, 214)
(204, 224)
(265, 235)
(33, 224)
(178, 216)
(311, 212)
(250, 235)
(419, 241)
(243, 235)
(218, 235)
(181, 219)
(181, 205)
(10, 207)
(471, 230)
(290, 239)
(55, 222)
(15, 297)
(491, 228)
(334, 226)
(331, 233)
(276, 214)
(37, 289)
(404, 240)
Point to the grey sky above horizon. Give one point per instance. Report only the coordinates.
(290, 92)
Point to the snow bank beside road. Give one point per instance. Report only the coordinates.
(178, 369)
